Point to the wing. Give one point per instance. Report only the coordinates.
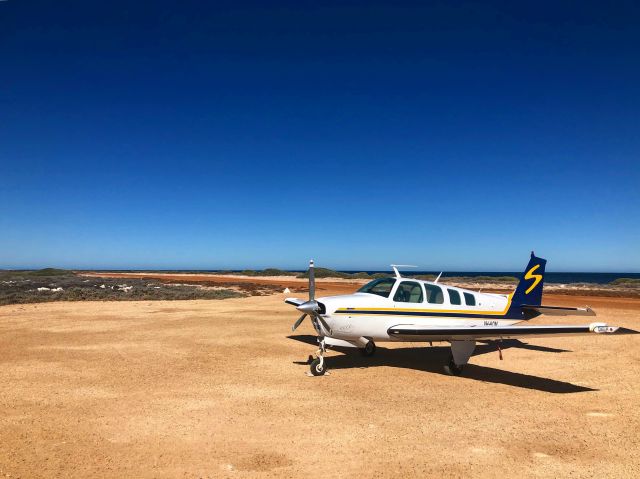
(294, 301)
(412, 332)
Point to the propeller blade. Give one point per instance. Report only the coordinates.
(297, 323)
(312, 282)
(325, 325)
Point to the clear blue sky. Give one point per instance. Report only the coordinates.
(455, 136)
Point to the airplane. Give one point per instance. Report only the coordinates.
(406, 309)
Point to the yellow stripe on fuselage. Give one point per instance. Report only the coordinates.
(413, 310)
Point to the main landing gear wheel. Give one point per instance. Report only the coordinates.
(452, 368)
(369, 349)
(318, 367)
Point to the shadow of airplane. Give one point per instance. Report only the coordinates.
(492, 346)
(432, 359)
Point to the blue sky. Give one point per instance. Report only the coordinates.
(455, 136)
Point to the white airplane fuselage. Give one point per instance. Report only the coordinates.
(365, 315)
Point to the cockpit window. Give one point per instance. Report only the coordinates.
(381, 287)
(408, 292)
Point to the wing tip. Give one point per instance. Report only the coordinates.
(626, 331)
(603, 328)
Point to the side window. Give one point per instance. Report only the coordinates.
(434, 294)
(408, 292)
(454, 296)
(469, 299)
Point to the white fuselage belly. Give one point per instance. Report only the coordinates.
(376, 327)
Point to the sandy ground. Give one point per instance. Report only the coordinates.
(219, 389)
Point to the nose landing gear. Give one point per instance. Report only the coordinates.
(318, 367)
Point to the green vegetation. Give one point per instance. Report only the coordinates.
(497, 279)
(467, 279)
(320, 273)
(38, 272)
(267, 272)
(324, 273)
(423, 277)
(369, 276)
(259, 272)
(51, 272)
(17, 287)
(330, 273)
(626, 282)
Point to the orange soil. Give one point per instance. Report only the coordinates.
(208, 389)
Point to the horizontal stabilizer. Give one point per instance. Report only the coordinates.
(559, 310)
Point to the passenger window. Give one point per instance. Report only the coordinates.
(434, 294)
(408, 292)
(454, 296)
(469, 299)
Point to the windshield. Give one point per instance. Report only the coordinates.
(381, 287)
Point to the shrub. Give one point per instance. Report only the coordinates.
(626, 282)
(22, 287)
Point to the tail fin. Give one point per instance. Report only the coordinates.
(529, 289)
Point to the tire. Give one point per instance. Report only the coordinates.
(317, 369)
(452, 368)
(369, 349)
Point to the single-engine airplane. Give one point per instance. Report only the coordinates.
(406, 309)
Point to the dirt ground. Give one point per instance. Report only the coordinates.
(219, 388)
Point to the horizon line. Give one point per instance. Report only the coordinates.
(366, 270)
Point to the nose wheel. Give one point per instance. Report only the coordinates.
(318, 367)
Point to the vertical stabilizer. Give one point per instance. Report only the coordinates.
(529, 289)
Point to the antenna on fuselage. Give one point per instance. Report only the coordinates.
(395, 268)
(438, 277)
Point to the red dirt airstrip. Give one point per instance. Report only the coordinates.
(219, 388)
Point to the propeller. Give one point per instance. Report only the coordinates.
(297, 323)
(310, 308)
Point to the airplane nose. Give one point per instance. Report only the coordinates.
(315, 311)
(308, 307)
